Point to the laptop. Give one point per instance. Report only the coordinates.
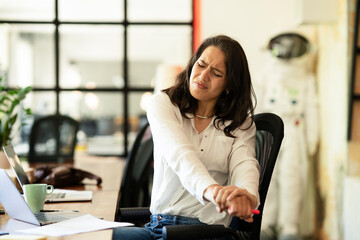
(18, 209)
(58, 195)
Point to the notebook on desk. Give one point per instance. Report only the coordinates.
(58, 195)
(17, 208)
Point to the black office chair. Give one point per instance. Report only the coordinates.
(135, 190)
(53, 139)
(269, 135)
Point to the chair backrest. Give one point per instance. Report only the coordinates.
(53, 139)
(136, 183)
(269, 135)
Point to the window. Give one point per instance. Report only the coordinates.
(92, 60)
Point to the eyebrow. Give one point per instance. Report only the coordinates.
(216, 69)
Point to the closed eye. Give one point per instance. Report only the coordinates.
(217, 75)
(215, 71)
(201, 65)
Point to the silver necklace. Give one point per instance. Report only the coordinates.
(202, 117)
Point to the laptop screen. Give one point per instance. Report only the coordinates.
(16, 165)
(13, 202)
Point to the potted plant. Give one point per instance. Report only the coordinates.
(10, 100)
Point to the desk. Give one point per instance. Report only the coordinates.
(105, 197)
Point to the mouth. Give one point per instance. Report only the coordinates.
(200, 85)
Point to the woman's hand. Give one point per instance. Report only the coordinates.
(235, 201)
(209, 193)
(240, 207)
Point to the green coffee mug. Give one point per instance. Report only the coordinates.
(35, 195)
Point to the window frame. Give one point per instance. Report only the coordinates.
(126, 90)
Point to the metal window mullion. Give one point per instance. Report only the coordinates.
(57, 61)
(355, 51)
(126, 82)
(56, 22)
(126, 90)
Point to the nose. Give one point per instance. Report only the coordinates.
(204, 76)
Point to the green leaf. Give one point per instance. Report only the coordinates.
(12, 106)
(22, 93)
(12, 91)
(13, 120)
(3, 98)
(9, 100)
(28, 111)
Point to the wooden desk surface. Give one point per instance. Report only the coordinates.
(105, 197)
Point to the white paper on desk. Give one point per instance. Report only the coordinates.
(86, 223)
(13, 225)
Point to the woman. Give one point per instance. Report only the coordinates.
(205, 169)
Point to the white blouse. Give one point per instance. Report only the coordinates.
(186, 162)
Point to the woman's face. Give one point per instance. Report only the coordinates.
(208, 75)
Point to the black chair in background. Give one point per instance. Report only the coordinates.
(269, 135)
(53, 139)
(135, 190)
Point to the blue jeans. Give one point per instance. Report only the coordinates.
(153, 229)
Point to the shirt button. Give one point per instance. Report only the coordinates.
(159, 218)
(202, 150)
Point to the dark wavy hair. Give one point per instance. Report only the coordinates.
(236, 102)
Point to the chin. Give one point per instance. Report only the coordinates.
(195, 94)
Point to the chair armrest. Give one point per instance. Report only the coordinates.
(198, 231)
(137, 214)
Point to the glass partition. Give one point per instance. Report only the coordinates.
(90, 60)
(28, 55)
(41, 104)
(151, 46)
(34, 10)
(91, 10)
(100, 129)
(160, 10)
(91, 56)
